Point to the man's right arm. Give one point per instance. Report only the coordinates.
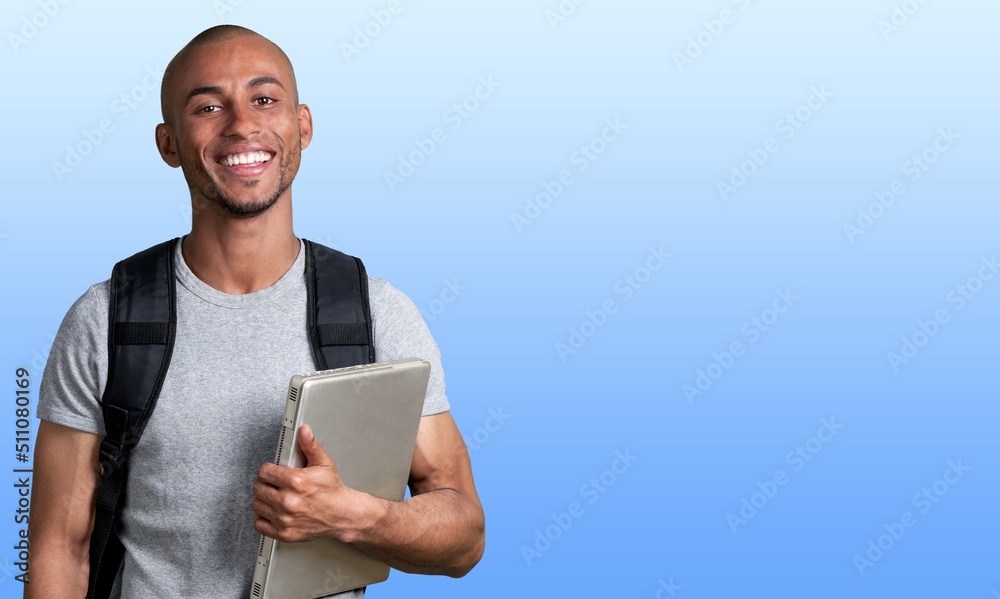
(67, 474)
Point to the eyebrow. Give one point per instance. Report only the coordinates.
(215, 89)
(258, 81)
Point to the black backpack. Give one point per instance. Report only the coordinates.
(142, 320)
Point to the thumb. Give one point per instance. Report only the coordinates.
(311, 448)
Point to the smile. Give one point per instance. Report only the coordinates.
(248, 158)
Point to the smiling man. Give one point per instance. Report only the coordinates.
(199, 486)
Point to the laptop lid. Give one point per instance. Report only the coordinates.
(366, 417)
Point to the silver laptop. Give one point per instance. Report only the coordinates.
(366, 417)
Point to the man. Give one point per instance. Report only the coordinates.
(200, 489)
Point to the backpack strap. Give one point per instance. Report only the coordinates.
(142, 317)
(142, 320)
(339, 314)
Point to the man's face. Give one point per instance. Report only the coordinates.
(237, 132)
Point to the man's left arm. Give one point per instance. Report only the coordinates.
(440, 529)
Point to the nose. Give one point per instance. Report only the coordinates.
(243, 122)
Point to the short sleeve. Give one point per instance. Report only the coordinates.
(76, 370)
(400, 332)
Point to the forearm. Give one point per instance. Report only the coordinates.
(57, 571)
(62, 512)
(438, 532)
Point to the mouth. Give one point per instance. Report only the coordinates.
(245, 164)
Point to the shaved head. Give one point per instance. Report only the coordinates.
(212, 35)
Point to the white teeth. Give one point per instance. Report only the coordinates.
(245, 158)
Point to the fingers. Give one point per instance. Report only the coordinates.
(279, 524)
(271, 521)
(264, 527)
(286, 500)
(265, 492)
(262, 509)
(263, 516)
(311, 448)
(273, 474)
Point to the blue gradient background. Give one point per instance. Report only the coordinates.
(664, 518)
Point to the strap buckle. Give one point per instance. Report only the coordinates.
(114, 445)
(112, 457)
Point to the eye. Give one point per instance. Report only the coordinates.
(265, 101)
(210, 109)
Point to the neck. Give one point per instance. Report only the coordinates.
(241, 255)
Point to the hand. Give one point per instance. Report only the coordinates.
(302, 504)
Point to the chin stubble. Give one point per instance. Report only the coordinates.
(238, 209)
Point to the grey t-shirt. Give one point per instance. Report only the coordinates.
(187, 524)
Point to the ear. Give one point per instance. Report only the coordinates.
(305, 125)
(167, 145)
